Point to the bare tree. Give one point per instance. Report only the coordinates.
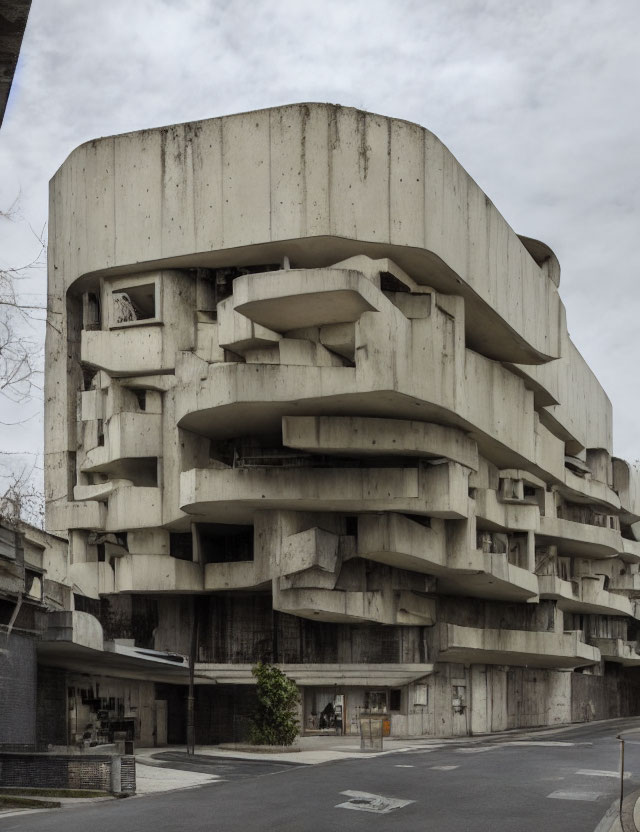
(20, 372)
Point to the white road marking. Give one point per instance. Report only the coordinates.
(568, 795)
(594, 772)
(476, 750)
(544, 744)
(429, 746)
(444, 768)
(366, 802)
(400, 766)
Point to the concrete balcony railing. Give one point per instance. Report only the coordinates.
(240, 575)
(237, 333)
(585, 595)
(128, 435)
(627, 584)
(406, 544)
(380, 607)
(626, 481)
(474, 645)
(75, 627)
(128, 506)
(92, 578)
(157, 573)
(497, 579)
(236, 398)
(134, 507)
(368, 675)
(100, 491)
(506, 516)
(398, 541)
(297, 298)
(136, 350)
(580, 539)
(591, 490)
(630, 551)
(85, 514)
(434, 490)
(374, 437)
(618, 651)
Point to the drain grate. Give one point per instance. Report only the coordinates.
(365, 802)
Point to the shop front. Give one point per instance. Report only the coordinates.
(337, 710)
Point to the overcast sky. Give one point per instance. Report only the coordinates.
(538, 100)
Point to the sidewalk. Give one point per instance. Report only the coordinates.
(314, 750)
(152, 778)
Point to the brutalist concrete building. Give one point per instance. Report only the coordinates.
(307, 387)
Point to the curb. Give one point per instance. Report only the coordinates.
(628, 806)
(616, 821)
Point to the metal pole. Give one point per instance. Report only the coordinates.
(621, 775)
(191, 734)
(619, 737)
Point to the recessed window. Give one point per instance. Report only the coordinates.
(181, 546)
(395, 699)
(221, 543)
(90, 311)
(141, 396)
(351, 526)
(133, 303)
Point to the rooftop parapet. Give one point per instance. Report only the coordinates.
(365, 184)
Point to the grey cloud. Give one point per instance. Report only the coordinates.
(536, 99)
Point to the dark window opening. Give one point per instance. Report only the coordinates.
(84, 604)
(101, 554)
(395, 699)
(87, 377)
(141, 396)
(221, 543)
(390, 283)
(223, 278)
(72, 473)
(91, 311)
(100, 432)
(375, 701)
(135, 303)
(421, 519)
(181, 546)
(351, 526)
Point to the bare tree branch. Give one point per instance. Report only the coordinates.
(21, 355)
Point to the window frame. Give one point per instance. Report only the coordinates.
(121, 284)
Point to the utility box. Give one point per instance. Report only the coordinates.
(371, 733)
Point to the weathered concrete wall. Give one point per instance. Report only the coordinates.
(301, 370)
(604, 697)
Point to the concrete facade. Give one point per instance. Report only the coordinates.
(306, 387)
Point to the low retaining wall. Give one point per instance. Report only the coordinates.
(99, 772)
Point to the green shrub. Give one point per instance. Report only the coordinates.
(274, 720)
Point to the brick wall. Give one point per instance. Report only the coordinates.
(51, 715)
(66, 771)
(18, 674)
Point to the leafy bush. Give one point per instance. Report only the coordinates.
(274, 720)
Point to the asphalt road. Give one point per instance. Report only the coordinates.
(553, 782)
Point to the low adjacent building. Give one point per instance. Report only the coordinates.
(311, 400)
